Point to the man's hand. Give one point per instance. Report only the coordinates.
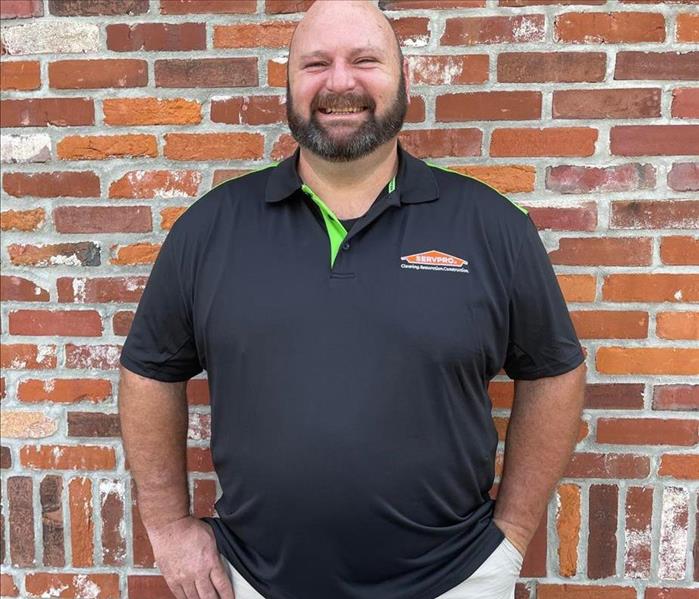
(186, 553)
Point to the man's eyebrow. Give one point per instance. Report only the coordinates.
(354, 52)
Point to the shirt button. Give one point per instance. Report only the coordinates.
(346, 245)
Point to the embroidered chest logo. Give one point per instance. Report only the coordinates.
(434, 260)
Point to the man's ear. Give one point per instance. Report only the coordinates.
(406, 74)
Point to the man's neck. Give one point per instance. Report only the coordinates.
(349, 188)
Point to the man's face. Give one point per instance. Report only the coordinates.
(346, 93)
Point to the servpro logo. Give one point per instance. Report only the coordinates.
(434, 260)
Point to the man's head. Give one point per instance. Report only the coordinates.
(347, 90)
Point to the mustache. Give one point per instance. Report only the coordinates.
(342, 102)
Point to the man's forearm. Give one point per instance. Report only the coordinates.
(153, 417)
(541, 436)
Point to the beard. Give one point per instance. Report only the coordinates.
(365, 137)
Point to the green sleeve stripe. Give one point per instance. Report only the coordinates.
(448, 170)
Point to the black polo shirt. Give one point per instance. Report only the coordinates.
(351, 425)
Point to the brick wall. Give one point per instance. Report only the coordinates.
(118, 114)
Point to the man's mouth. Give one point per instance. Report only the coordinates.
(342, 110)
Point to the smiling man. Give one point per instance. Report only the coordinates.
(350, 306)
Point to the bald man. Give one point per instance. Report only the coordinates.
(351, 426)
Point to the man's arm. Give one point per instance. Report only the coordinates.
(541, 436)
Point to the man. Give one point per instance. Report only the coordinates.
(350, 306)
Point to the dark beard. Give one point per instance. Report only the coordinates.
(365, 139)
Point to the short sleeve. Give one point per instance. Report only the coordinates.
(160, 344)
(542, 340)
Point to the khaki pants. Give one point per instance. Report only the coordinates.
(495, 578)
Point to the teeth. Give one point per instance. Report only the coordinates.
(348, 110)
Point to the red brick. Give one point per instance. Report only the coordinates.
(654, 140)
(657, 66)
(156, 37)
(655, 214)
(100, 289)
(185, 7)
(540, 67)
(489, 106)
(111, 500)
(67, 457)
(41, 112)
(82, 253)
(22, 220)
(5, 464)
(8, 588)
(651, 288)
(647, 431)
(149, 184)
(147, 587)
(671, 593)
(27, 355)
(21, 518)
(411, 31)
(70, 323)
(226, 174)
(151, 111)
(685, 103)
(75, 184)
(609, 28)
(552, 141)
(610, 324)
(601, 544)
(457, 69)
(684, 176)
(614, 396)
(276, 73)
(50, 491)
(606, 103)
(578, 288)
(21, 75)
(435, 143)
(95, 74)
(198, 392)
(648, 360)
(637, 551)
(588, 179)
(102, 147)
(19, 289)
(416, 110)
(688, 27)
(82, 528)
(102, 219)
(21, 9)
(90, 8)
(547, 2)
(679, 250)
(676, 397)
(249, 110)
(583, 591)
(505, 178)
(467, 31)
(204, 497)
(135, 253)
(582, 218)
(680, 466)
(422, 4)
(67, 391)
(607, 465)
(269, 34)
(206, 72)
(44, 584)
(283, 147)
(121, 322)
(93, 424)
(199, 459)
(677, 325)
(214, 146)
(568, 528)
(609, 251)
(142, 550)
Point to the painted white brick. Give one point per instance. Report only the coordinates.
(673, 533)
(50, 37)
(25, 148)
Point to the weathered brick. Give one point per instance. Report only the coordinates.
(609, 28)
(90, 8)
(568, 528)
(21, 75)
(249, 110)
(435, 143)
(8, 587)
(156, 37)
(111, 499)
(411, 31)
(97, 357)
(546, 2)
(95, 74)
(21, 518)
(679, 250)
(607, 465)
(226, 174)
(25, 148)
(420, 4)
(16, 356)
(276, 72)
(505, 178)
(70, 323)
(76, 184)
(683, 466)
(610, 324)
(540, 67)
(102, 219)
(151, 111)
(637, 532)
(81, 253)
(674, 520)
(606, 103)
(82, 529)
(168, 216)
(468, 31)
(677, 592)
(428, 69)
(135, 253)
(101, 147)
(654, 140)
(19, 289)
(198, 392)
(141, 547)
(51, 37)
(27, 425)
(268, 34)
(285, 145)
(67, 457)
(648, 360)
(50, 491)
(5, 463)
(214, 146)
(551, 141)
(685, 103)
(581, 218)
(287, 6)
(206, 72)
(203, 497)
(43, 584)
(676, 397)
(647, 431)
(684, 176)
(21, 9)
(199, 459)
(151, 184)
(67, 391)
(184, 7)
(594, 179)
(121, 322)
(93, 424)
(677, 325)
(489, 106)
(655, 214)
(611, 396)
(601, 554)
(688, 27)
(657, 66)
(584, 591)
(147, 586)
(40, 112)
(83, 290)
(22, 220)
(603, 251)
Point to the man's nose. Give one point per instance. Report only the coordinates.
(340, 77)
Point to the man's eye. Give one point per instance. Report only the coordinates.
(315, 64)
(367, 60)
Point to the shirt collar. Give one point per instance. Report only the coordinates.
(415, 181)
